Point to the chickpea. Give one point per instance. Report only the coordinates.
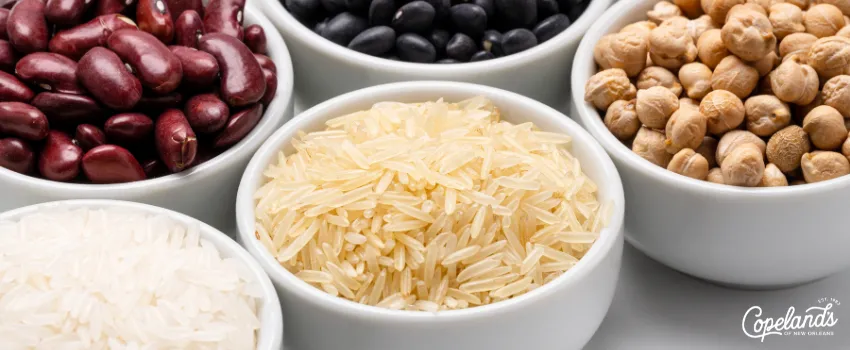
(830, 56)
(691, 8)
(796, 83)
(659, 76)
(697, 27)
(748, 6)
(786, 19)
(685, 129)
(696, 79)
(842, 5)
(765, 4)
(786, 146)
(845, 147)
(773, 177)
(601, 50)
(735, 76)
(711, 49)
(685, 102)
(715, 175)
(655, 106)
(824, 165)
(825, 127)
(663, 10)
(608, 86)
(649, 144)
(708, 149)
(765, 65)
(625, 50)
(723, 111)
(766, 114)
(744, 166)
(764, 87)
(845, 32)
(621, 119)
(823, 20)
(671, 46)
(798, 182)
(643, 28)
(748, 34)
(689, 163)
(735, 138)
(836, 94)
(718, 9)
(679, 22)
(802, 4)
(796, 42)
(801, 111)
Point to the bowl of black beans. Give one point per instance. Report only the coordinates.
(525, 46)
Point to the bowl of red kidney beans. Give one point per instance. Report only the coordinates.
(157, 101)
(525, 46)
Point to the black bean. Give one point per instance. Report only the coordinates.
(374, 41)
(492, 42)
(566, 5)
(381, 12)
(482, 56)
(440, 38)
(546, 8)
(575, 12)
(469, 19)
(448, 61)
(414, 17)
(344, 27)
(518, 40)
(441, 9)
(548, 28)
(320, 27)
(518, 13)
(489, 7)
(461, 47)
(357, 5)
(334, 6)
(414, 48)
(303, 9)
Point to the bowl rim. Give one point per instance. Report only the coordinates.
(599, 251)
(270, 334)
(272, 114)
(287, 23)
(591, 119)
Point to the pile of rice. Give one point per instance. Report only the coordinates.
(113, 279)
(429, 206)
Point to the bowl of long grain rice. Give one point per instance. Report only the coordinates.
(435, 215)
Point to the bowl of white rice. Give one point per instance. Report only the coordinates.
(435, 215)
(107, 274)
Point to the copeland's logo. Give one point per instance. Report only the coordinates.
(815, 321)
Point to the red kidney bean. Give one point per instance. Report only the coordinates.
(160, 102)
(154, 168)
(266, 62)
(103, 74)
(108, 7)
(206, 113)
(8, 57)
(26, 27)
(240, 124)
(4, 16)
(89, 136)
(16, 155)
(153, 17)
(22, 120)
(175, 140)
(178, 7)
(224, 16)
(60, 158)
(108, 164)
(255, 38)
(199, 68)
(242, 81)
(271, 87)
(64, 12)
(188, 28)
(157, 68)
(75, 42)
(67, 108)
(12, 89)
(50, 71)
(128, 128)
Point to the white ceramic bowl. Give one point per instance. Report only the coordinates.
(207, 191)
(744, 237)
(326, 69)
(563, 314)
(270, 335)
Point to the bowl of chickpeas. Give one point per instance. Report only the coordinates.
(728, 120)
